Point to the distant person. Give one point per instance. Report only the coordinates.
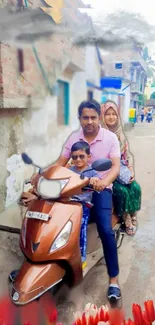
(149, 117)
(142, 115)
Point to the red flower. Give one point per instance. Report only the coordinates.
(93, 317)
(7, 311)
(145, 319)
(78, 318)
(53, 317)
(84, 319)
(129, 322)
(30, 313)
(49, 310)
(149, 309)
(137, 314)
(104, 314)
(116, 316)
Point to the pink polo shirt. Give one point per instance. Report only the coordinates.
(105, 145)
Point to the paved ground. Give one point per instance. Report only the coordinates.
(136, 256)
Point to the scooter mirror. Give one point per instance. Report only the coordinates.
(27, 160)
(102, 165)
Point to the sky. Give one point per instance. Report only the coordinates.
(145, 8)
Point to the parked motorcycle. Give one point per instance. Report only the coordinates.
(50, 233)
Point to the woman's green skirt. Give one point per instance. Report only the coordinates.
(126, 198)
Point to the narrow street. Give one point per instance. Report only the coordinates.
(66, 57)
(136, 255)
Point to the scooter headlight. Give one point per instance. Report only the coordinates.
(49, 188)
(62, 238)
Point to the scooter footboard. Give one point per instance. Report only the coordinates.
(34, 280)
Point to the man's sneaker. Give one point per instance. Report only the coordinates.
(114, 293)
(13, 275)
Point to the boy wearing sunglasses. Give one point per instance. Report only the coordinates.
(80, 155)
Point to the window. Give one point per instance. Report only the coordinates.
(90, 95)
(63, 103)
(118, 66)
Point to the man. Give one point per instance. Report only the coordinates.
(142, 115)
(103, 144)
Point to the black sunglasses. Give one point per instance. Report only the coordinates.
(75, 157)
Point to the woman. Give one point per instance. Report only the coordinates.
(126, 198)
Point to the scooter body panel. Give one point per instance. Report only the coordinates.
(36, 240)
(33, 280)
(40, 235)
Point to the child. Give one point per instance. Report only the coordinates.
(80, 154)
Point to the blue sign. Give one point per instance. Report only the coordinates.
(118, 66)
(111, 82)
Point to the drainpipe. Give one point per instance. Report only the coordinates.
(20, 51)
(20, 60)
(99, 56)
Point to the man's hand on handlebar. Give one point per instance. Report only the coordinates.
(98, 184)
(27, 197)
(35, 179)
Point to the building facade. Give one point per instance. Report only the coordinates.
(34, 120)
(31, 118)
(130, 66)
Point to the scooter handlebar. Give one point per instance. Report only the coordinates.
(28, 182)
(89, 188)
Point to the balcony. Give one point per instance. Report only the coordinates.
(137, 59)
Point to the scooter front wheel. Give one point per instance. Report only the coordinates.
(13, 275)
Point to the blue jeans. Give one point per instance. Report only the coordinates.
(103, 217)
(142, 118)
(83, 233)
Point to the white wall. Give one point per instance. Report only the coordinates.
(125, 111)
(97, 95)
(92, 66)
(78, 93)
(92, 71)
(44, 138)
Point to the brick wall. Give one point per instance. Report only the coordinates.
(54, 55)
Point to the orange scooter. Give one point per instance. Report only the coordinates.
(50, 232)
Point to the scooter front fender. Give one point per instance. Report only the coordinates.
(34, 280)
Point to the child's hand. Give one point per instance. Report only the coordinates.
(93, 181)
